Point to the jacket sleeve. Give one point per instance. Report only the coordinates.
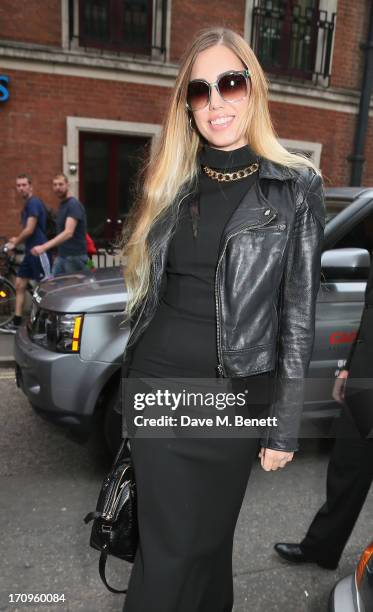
(296, 332)
(368, 304)
(351, 353)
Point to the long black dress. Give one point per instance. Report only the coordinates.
(190, 490)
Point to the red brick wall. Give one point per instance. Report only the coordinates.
(34, 126)
(189, 16)
(34, 129)
(40, 22)
(351, 30)
(334, 130)
(34, 21)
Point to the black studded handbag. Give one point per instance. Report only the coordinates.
(114, 529)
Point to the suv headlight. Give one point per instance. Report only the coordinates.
(55, 331)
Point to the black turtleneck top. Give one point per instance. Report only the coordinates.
(180, 341)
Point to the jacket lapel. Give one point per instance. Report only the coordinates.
(254, 209)
(272, 170)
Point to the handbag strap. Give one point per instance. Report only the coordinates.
(120, 450)
(101, 567)
(91, 516)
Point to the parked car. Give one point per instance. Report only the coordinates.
(354, 593)
(68, 355)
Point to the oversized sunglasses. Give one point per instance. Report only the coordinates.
(232, 87)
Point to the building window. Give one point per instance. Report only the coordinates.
(108, 171)
(293, 38)
(311, 149)
(116, 24)
(129, 26)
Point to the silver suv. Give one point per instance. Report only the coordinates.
(69, 354)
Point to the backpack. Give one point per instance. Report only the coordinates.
(91, 247)
(50, 225)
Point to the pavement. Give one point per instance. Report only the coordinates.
(6, 350)
(48, 483)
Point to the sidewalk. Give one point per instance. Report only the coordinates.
(6, 350)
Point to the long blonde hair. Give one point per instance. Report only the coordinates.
(173, 162)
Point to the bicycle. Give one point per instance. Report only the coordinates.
(8, 270)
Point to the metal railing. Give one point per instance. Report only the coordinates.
(119, 28)
(293, 41)
(106, 258)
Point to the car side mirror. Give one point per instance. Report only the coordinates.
(345, 264)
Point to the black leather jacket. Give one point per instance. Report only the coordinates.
(266, 285)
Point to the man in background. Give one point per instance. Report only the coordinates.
(350, 469)
(71, 226)
(33, 220)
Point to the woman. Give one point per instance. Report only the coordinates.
(226, 218)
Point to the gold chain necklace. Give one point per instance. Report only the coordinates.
(230, 176)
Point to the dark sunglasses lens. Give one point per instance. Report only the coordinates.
(197, 95)
(232, 87)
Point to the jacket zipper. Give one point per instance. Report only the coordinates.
(220, 367)
(280, 226)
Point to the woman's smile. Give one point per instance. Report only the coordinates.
(221, 123)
